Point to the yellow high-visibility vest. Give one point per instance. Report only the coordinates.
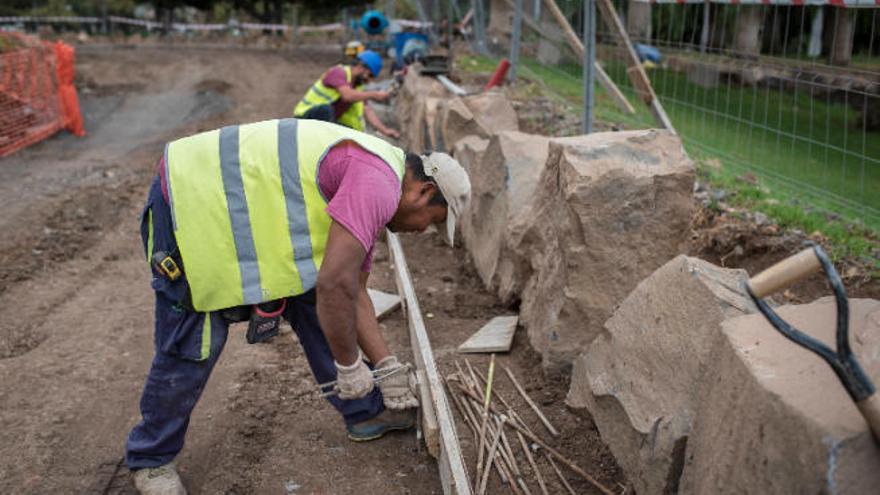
(319, 94)
(249, 217)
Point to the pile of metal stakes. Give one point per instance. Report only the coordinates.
(490, 418)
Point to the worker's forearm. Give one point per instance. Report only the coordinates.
(374, 119)
(354, 95)
(369, 334)
(337, 313)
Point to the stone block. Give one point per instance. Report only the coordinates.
(502, 188)
(774, 418)
(411, 104)
(639, 378)
(609, 209)
(469, 151)
(481, 115)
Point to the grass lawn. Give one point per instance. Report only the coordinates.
(809, 154)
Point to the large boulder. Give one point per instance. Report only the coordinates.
(638, 379)
(469, 151)
(411, 105)
(480, 115)
(610, 209)
(774, 418)
(502, 188)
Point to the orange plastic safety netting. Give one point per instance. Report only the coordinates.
(37, 95)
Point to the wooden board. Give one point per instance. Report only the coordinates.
(495, 336)
(383, 302)
(453, 475)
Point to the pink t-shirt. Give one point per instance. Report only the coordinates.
(335, 78)
(362, 193)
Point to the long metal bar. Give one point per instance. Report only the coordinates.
(453, 474)
(589, 65)
(515, 38)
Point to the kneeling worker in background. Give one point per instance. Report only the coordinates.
(281, 213)
(338, 96)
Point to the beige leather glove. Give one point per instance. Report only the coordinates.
(355, 380)
(397, 390)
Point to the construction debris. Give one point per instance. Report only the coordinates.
(495, 336)
(784, 420)
(465, 388)
(639, 378)
(609, 209)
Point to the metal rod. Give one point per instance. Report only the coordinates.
(479, 26)
(492, 450)
(515, 38)
(561, 476)
(589, 69)
(546, 422)
(528, 452)
(487, 399)
(704, 35)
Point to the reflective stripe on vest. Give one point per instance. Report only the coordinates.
(251, 223)
(319, 94)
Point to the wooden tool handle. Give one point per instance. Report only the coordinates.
(785, 273)
(870, 409)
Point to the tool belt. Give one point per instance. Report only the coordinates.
(263, 319)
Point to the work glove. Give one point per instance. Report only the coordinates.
(355, 380)
(397, 390)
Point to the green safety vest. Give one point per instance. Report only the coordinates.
(319, 94)
(249, 217)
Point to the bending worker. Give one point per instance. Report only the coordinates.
(282, 212)
(338, 96)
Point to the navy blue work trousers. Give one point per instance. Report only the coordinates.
(188, 344)
(320, 112)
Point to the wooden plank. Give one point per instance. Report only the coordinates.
(495, 336)
(453, 474)
(383, 302)
(635, 71)
(575, 43)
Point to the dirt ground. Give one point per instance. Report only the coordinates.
(76, 332)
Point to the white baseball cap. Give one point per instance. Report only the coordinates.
(455, 185)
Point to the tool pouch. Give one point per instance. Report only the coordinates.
(265, 320)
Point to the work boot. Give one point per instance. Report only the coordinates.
(386, 421)
(162, 480)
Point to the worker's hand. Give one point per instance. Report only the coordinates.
(381, 95)
(397, 390)
(390, 132)
(354, 380)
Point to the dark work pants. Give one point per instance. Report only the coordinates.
(320, 112)
(186, 349)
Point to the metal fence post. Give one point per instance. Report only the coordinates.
(294, 22)
(589, 64)
(514, 41)
(450, 20)
(704, 35)
(479, 26)
(104, 17)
